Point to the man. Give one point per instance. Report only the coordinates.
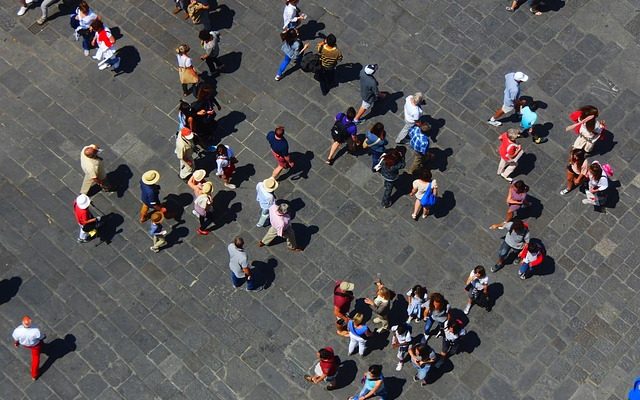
(210, 41)
(422, 358)
(515, 239)
(280, 226)
(280, 150)
(368, 91)
(511, 100)
(342, 298)
(88, 223)
(29, 336)
(326, 369)
(412, 113)
(91, 165)
(239, 266)
(184, 151)
(265, 198)
(419, 142)
(330, 56)
(150, 194)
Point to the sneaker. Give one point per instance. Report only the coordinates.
(229, 185)
(202, 232)
(589, 202)
(494, 122)
(103, 66)
(86, 53)
(539, 140)
(154, 249)
(259, 288)
(399, 366)
(523, 276)
(96, 57)
(22, 11)
(41, 20)
(439, 333)
(415, 378)
(80, 240)
(76, 36)
(423, 383)
(278, 77)
(260, 244)
(496, 268)
(467, 309)
(563, 192)
(195, 214)
(508, 179)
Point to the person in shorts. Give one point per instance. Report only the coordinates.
(344, 129)
(511, 100)
(368, 91)
(477, 288)
(401, 340)
(280, 150)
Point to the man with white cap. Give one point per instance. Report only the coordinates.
(265, 198)
(184, 151)
(29, 336)
(368, 91)
(88, 223)
(150, 194)
(91, 164)
(280, 226)
(511, 100)
(412, 113)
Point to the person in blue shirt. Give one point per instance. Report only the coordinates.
(419, 142)
(150, 194)
(528, 120)
(280, 150)
(511, 98)
(372, 385)
(376, 142)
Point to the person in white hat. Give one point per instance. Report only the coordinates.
(184, 152)
(265, 198)
(202, 208)
(196, 181)
(368, 91)
(88, 223)
(511, 100)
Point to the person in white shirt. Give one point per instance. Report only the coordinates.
(412, 113)
(292, 15)
(401, 340)
(477, 287)
(29, 336)
(265, 198)
(225, 164)
(452, 331)
(598, 185)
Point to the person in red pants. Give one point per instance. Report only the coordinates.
(29, 336)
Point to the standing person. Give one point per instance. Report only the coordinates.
(265, 198)
(510, 152)
(225, 164)
(588, 127)
(292, 15)
(150, 194)
(91, 164)
(198, 11)
(598, 185)
(156, 232)
(81, 23)
(343, 129)
(533, 6)
(514, 240)
(419, 142)
(375, 140)
(185, 117)
(412, 113)
(326, 369)
(577, 170)
(204, 112)
(368, 91)
(436, 312)
(240, 267)
(88, 223)
(391, 163)
(421, 187)
(184, 152)
(187, 73)
(342, 298)
(358, 334)
(531, 255)
(181, 5)
(416, 298)
(516, 199)
(29, 336)
(401, 340)
(381, 305)
(196, 181)
(202, 208)
(528, 120)
(373, 385)
(510, 101)
(44, 7)
(280, 150)
(210, 42)
(293, 48)
(330, 56)
(452, 333)
(477, 288)
(422, 358)
(280, 227)
(106, 43)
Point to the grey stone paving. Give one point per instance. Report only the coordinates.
(169, 326)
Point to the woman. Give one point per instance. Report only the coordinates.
(436, 312)
(204, 109)
(106, 43)
(202, 207)
(422, 358)
(477, 287)
(187, 73)
(81, 23)
(225, 164)
(452, 333)
(510, 152)
(292, 15)
(343, 128)
(587, 127)
(380, 305)
(197, 181)
(577, 170)
(419, 189)
(292, 47)
(598, 185)
(358, 334)
(391, 164)
(373, 385)
(376, 142)
(185, 116)
(531, 255)
(516, 198)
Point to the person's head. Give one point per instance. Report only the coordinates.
(577, 156)
(205, 35)
(423, 125)
(204, 92)
(351, 113)
(331, 40)
(418, 291)
(283, 208)
(92, 151)
(520, 77)
(455, 326)
(479, 271)
(392, 157)
(84, 7)
(534, 248)
(424, 175)
(157, 217)
(325, 354)
(26, 321)
(596, 171)
(512, 134)
(370, 69)
(289, 36)
(520, 186)
(207, 188)
(384, 293)
(518, 225)
(238, 242)
(346, 287)
(221, 149)
(418, 98)
(293, 2)
(588, 110)
(184, 108)
(358, 318)
(401, 329)
(375, 371)
(279, 131)
(97, 25)
(183, 49)
(436, 301)
(378, 130)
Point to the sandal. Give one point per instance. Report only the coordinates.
(328, 162)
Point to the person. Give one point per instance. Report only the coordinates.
(240, 267)
(510, 152)
(401, 340)
(265, 198)
(24, 6)
(598, 184)
(532, 255)
(420, 187)
(280, 150)
(196, 181)
(381, 305)
(81, 23)
(29, 336)
(326, 369)
(477, 288)
(419, 142)
(375, 141)
(358, 334)
(150, 194)
(516, 237)
(588, 128)
(184, 152)
(453, 331)
(202, 208)
(198, 11)
(330, 56)
(417, 296)
(368, 91)
(106, 43)
(423, 358)
(210, 42)
(185, 117)
(204, 112)
(292, 15)
(511, 98)
(91, 164)
(516, 198)
(343, 129)
(156, 232)
(44, 7)
(577, 170)
(436, 312)
(342, 298)
(373, 385)
(88, 223)
(186, 72)
(533, 6)
(280, 226)
(293, 48)
(181, 5)
(391, 163)
(528, 119)
(412, 113)
(225, 164)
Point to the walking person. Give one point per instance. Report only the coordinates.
(150, 194)
(577, 170)
(330, 56)
(292, 16)
(511, 98)
(29, 336)
(184, 152)
(280, 150)
(516, 199)
(186, 71)
(436, 312)
(280, 227)
(391, 163)
(265, 198)
(419, 142)
(156, 232)
(416, 298)
(210, 42)
(533, 6)
(203, 208)
(326, 369)
(241, 271)
(91, 164)
(452, 333)
(588, 128)
(369, 91)
(514, 240)
(343, 129)
(401, 340)
(225, 164)
(510, 152)
(204, 113)
(532, 255)
(423, 358)
(380, 305)
(44, 8)
(423, 186)
(528, 119)
(106, 44)
(293, 48)
(358, 334)
(598, 184)
(88, 223)
(375, 141)
(185, 117)
(342, 298)
(198, 11)
(196, 181)
(477, 288)
(81, 23)
(373, 385)
(412, 113)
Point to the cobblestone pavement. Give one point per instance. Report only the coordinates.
(169, 325)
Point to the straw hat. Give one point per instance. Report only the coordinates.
(199, 174)
(83, 201)
(157, 217)
(207, 188)
(347, 286)
(151, 177)
(270, 184)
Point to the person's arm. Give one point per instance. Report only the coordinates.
(497, 226)
(580, 122)
(469, 279)
(207, 50)
(373, 390)
(339, 314)
(318, 378)
(304, 48)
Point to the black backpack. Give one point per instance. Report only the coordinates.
(310, 62)
(339, 130)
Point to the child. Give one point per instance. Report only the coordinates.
(416, 297)
(225, 164)
(529, 117)
(156, 232)
(531, 255)
(401, 340)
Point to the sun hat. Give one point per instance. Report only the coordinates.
(520, 76)
(270, 184)
(186, 133)
(157, 217)
(83, 201)
(151, 177)
(199, 174)
(347, 286)
(207, 187)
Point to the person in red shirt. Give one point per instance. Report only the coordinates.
(326, 369)
(510, 153)
(342, 298)
(88, 223)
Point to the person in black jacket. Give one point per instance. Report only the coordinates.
(391, 164)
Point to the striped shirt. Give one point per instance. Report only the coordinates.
(329, 56)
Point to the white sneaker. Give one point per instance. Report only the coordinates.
(508, 179)
(563, 192)
(86, 53)
(467, 309)
(399, 366)
(22, 11)
(494, 122)
(103, 66)
(76, 36)
(590, 202)
(195, 213)
(96, 57)
(230, 185)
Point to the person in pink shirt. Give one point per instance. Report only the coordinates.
(280, 226)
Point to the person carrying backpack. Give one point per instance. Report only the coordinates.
(515, 239)
(343, 129)
(531, 255)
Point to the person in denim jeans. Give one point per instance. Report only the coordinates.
(292, 47)
(392, 163)
(422, 358)
(515, 239)
(436, 312)
(531, 255)
(376, 142)
(81, 22)
(373, 385)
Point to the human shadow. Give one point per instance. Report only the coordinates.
(437, 158)
(443, 366)
(613, 196)
(175, 235)
(228, 124)
(384, 105)
(295, 205)
(221, 18)
(348, 72)
(550, 5)
(9, 288)
(605, 144)
(115, 31)
(394, 386)
(231, 62)
(377, 341)
(303, 234)
(398, 310)
(225, 212)
(436, 125)
(526, 164)
(265, 272)
(109, 224)
(119, 179)
(129, 60)
(469, 342)
(403, 186)
(310, 30)
(65, 8)
(56, 349)
(242, 174)
(445, 204)
(543, 130)
(496, 290)
(363, 308)
(533, 210)
(347, 372)
(547, 267)
(302, 166)
(175, 205)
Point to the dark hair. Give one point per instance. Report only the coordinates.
(424, 125)
(204, 35)
(586, 111)
(392, 157)
(424, 175)
(578, 154)
(204, 92)
(596, 171)
(456, 326)
(351, 113)
(480, 270)
(238, 242)
(401, 329)
(325, 354)
(534, 247)
(221, 148)
(279, 131)
(520, 186)
(378, 130)
(375, 370)
(331, 40)
(289, 36)
(418, 291)
(83, 6)
(185, 108)
(436, 297)
(518, 225)
(97, 25)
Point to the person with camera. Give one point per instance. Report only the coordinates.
(88, 223)
(330, 56)
(412, 113)
(477, 288)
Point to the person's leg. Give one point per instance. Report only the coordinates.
(427, 327)
(144, 210)
(283, 66)
(501, 166)
(82, 235)
(386, 195)
(423, 371)
(511, 166)
(290, 236)
(332, 151)
(403, 132)
(524, 270)
(35, 359)
(211, 64)
(185, 89)
(416, 163)
(269, 236)
(364, 107)
(362, 346)
(503, 253)
(375, 158)
(264, 216)
(352, 344)
(43, 7)
(203, 222)
(237, 282)
(416, 209)
(252, 283)
(87, 183)
(570, 180)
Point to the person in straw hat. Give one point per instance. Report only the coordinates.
(88, 223)
(184, 152)
(202, 207)
(156, 231)
(266, 198)
(196, 181)
(150, 194)
(280, 226)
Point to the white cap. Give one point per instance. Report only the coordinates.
(520, 76)
(370, 69)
